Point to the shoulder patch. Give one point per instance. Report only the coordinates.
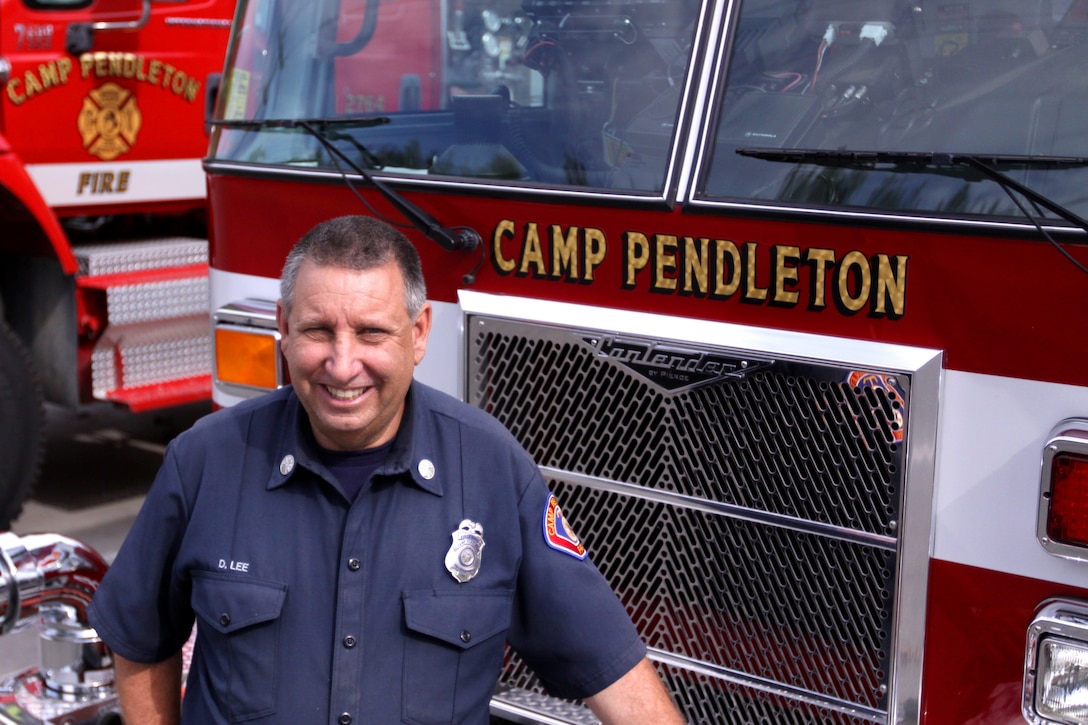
(557, 532)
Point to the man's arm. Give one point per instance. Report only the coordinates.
(637, 698)
(150, 694)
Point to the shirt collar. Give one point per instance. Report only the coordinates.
(412, 455)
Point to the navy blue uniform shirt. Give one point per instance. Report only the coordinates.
(311, 608)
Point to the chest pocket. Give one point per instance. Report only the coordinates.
(238, 635)
(454, 652)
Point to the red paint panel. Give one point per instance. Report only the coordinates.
(1001, 306)
(977, 623)
(153, 82)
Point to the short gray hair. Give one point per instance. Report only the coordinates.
(359, 243)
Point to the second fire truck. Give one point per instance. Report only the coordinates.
(103, 243)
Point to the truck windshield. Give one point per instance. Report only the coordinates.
(989, 78)
(526, 91)
(596, 94)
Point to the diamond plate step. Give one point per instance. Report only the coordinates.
(140, 255)
(128, 283)
(136, 355)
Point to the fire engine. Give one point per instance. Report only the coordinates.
(103, 254)
(785, 297)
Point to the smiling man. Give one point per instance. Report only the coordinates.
(354, 327)
(358, 547)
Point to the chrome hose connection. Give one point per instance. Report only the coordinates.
(48, 580)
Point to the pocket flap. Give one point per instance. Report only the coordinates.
(462, 619)
(230, 603)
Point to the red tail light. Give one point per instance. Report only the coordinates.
(1063, 505)
(1067, 520)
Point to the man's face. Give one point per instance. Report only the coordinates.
(351, 349)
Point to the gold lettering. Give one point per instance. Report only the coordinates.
(722, 287)
(664, 262)
(192, 88)
(785, 274)
(505, 228)
(84, 182)
(33, 86)
(168, 73)
(683, 265)
(891, 286)
(49, 74)
(531, 252)
(854, 264)
(596, 248)
(752, 291)
(13, 92)
(820, 260)
(564, 253)
(133, 66)
(696, 274)
(636, 255)
(122, 182)
(178, 84)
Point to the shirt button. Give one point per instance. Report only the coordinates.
(224, 619)
(354, 564)
(344, 719)
(349, 641)
(465, 636)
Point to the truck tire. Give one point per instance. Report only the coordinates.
(22, 426)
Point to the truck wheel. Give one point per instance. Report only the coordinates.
(22, 426)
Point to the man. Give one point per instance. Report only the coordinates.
(357, 547)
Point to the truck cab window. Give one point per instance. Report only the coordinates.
(530, 92)
(985, 77)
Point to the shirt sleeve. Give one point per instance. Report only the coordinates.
(141, 609)
(569, 626)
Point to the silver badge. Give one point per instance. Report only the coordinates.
(463, 558)
(287, 464)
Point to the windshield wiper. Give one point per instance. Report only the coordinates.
(451, 239)
(984, 163)
(925, 158)
(358, 121)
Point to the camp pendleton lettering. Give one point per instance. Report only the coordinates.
(779, 275)
(130, 66)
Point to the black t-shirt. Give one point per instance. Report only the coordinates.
(353, 469)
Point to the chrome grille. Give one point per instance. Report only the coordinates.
(748, 522)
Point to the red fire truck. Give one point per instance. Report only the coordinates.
(785, 297)
(103, 248)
